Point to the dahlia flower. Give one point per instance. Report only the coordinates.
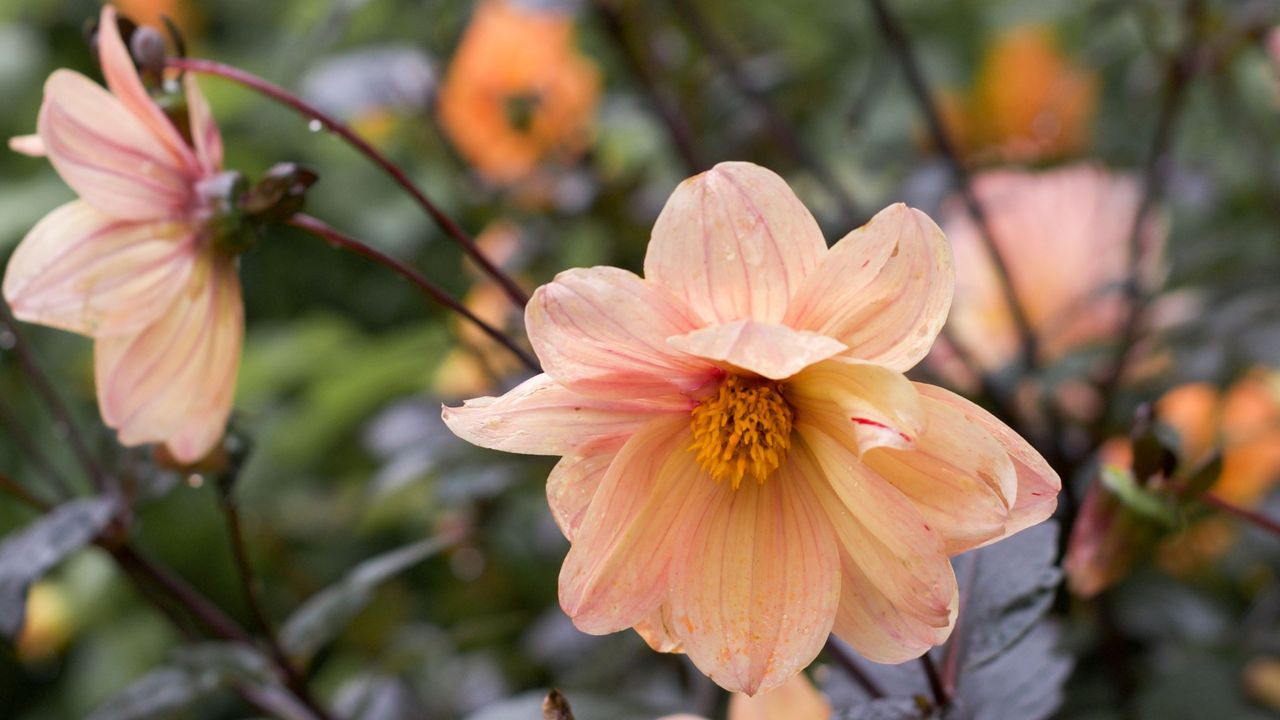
(135, 261)
(745, 468)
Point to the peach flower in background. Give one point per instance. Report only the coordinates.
(480, 362)
(795, 699)
(1064, 236)
(1028, 101)
(153, 12)
(518, 93)
(132, 263)
(1243, 424)
(746, 399)
(49, 624)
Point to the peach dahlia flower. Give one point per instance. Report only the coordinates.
(745, 467)
(132, 263)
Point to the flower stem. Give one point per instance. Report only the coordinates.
(12, 488)
(850, 665)
(940, 695)
(57, 409)
(279, 94)
(1178, 74)
(615, 24)
(28, 446)
(1253, 518)
(428, 288)
(900, 43)
(783, 133)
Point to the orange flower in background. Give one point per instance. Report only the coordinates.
(1064, 236)
(1243, 424)
(518, 93)
(133, 263)
(49, 623)
(1028, 102)
(746, 399)
(476, 366)
(153, 12)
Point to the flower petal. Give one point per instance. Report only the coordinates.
(109, 157)
(204, 130)
(615, 573)
(575, 479)
(873, 405)
(884, 290)
(773, 351)
(1038, 484)
(658, 632)
(898, 593)
(603, 331)
(754, 601)
(82, 271)
(959, 478)
(734, 242)
(542, 417)
(29, 145)
(122, 78)
(174, 381)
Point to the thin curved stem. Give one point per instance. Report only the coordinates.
(1253, 518)
(428, 288)
(28, 446)
(850, 665)
(900, 44)
(57, 408)
(337, 127)
(940, 695)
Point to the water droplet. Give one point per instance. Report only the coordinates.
(195, 480)
(315, 126)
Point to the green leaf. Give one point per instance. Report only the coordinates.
(1136, 498)
(322, 617)
(25, 556)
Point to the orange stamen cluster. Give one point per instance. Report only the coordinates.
(744, 430)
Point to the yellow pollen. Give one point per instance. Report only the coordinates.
(744, 430)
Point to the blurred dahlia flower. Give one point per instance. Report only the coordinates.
(518, 93)
(1064, 236)
(134, 262)
(1028, 101)
(745, 467)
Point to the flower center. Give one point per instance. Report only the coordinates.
(744, 430)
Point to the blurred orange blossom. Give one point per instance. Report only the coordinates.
(795, 699)
(518, 93)
(133, 263)
(1243, 424)
(746, 398)
(1028, 101)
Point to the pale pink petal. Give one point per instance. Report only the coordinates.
(615, 574)
(754, 594)
(658, 631)
(959, 477)
(204, 130)
(574, 480)
(603, 331)
(795, 699)
(1038, 484)
(29, 145)
(898, 593)
(122, 78)
(773, 351)
(884, 290)
(174, 381)
(734, 242)
(873, 405)
(541, 417)
(107, 155)
(82, 271)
